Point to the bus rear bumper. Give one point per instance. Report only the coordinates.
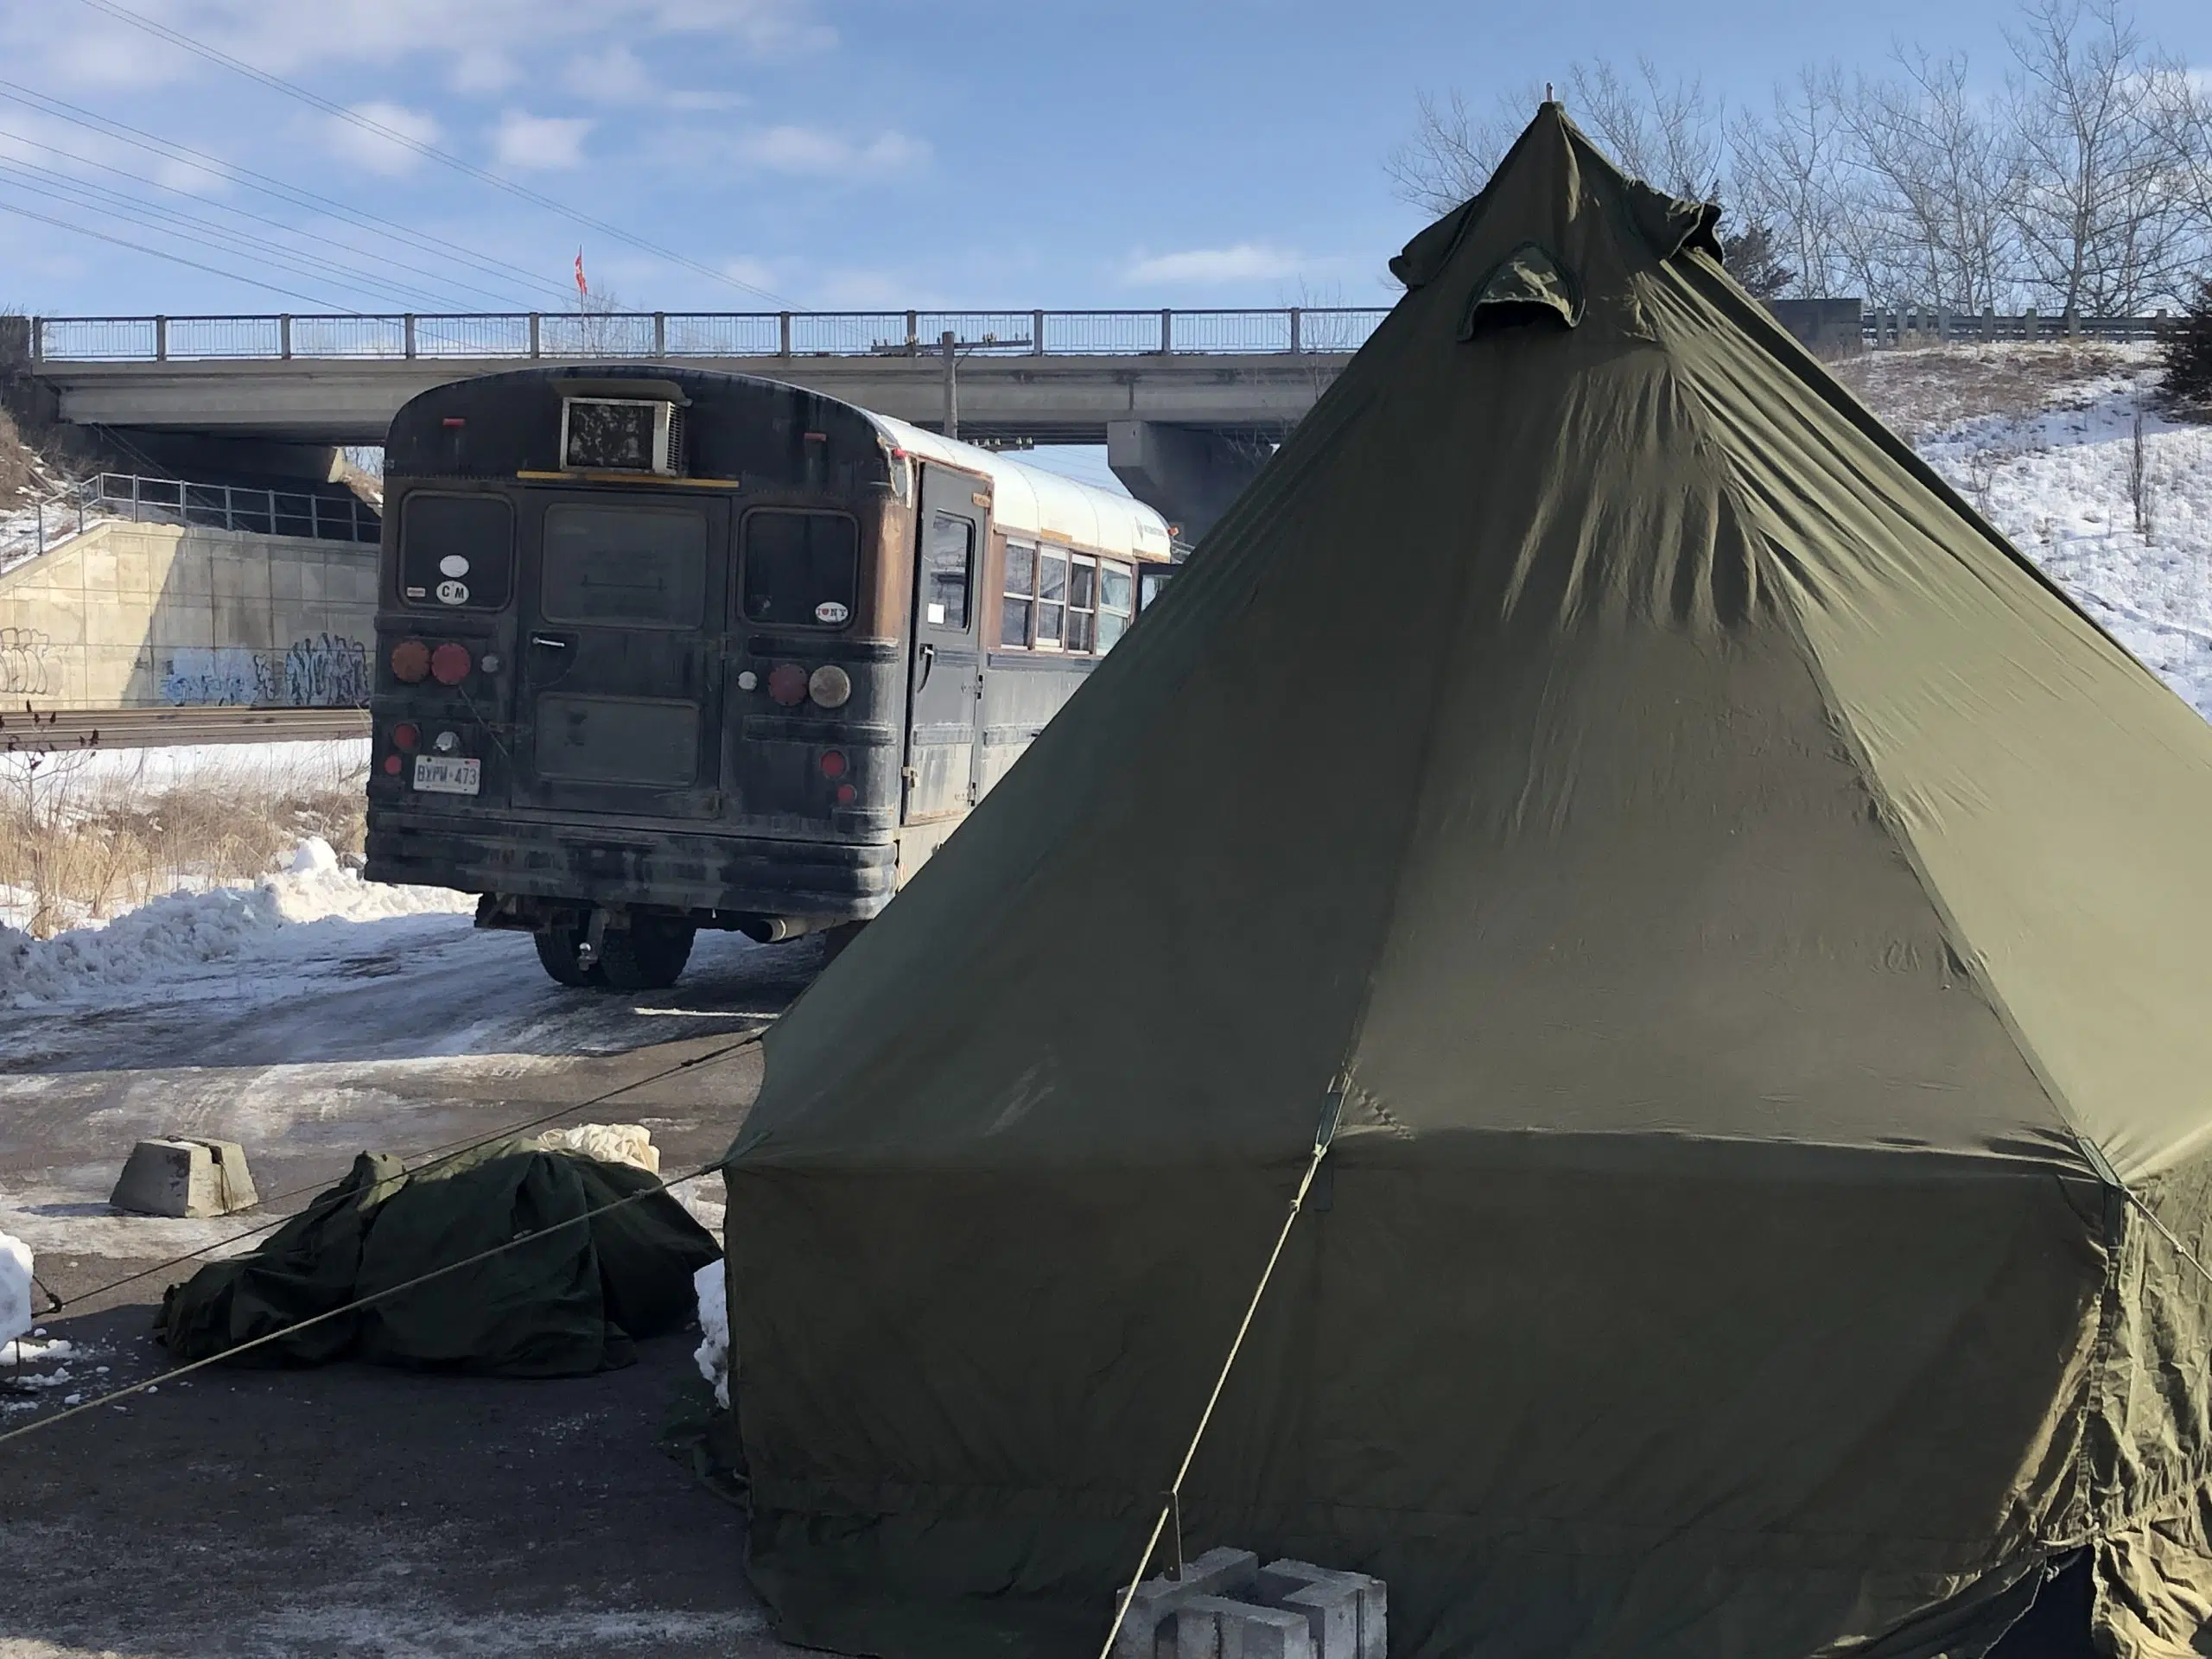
(717, 879)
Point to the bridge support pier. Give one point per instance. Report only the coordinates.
(1187, 474)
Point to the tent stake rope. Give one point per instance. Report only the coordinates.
(355, 1305)
(1322, 1139)
(432, 1158)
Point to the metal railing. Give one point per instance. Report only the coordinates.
(1326, 330)
(1884, 326)
(110, 497)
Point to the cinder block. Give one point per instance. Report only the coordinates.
(1149, 1626)
(1347, 1612)
(185, 1178)
(1214, 1627)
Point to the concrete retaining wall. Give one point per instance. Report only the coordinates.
(139, 616)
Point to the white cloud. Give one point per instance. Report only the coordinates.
(484, 46)
(615, 76)
(532, 143)
(810, 152)
(374, 151)
(1247, 262)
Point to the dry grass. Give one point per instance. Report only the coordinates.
(15, 474)
(85, 835)
(1920, 392)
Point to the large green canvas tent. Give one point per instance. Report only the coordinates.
(1759, 928)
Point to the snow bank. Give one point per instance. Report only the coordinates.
(712, 1284)
(2058, 482)
(183, 931)
(16, 1288)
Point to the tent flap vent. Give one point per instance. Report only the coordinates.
(1527, 280)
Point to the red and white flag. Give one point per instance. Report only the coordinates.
(582, 287)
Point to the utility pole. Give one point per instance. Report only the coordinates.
(948, 342)
(949, 346)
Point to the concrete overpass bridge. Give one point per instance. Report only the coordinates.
(1186, 402)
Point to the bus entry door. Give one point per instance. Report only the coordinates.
(944, 676)
(619, 682)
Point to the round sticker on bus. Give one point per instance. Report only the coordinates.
(453, 565)
(453, 593)
(831, 612)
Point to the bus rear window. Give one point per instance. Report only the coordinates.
(456, 552)
(801, 569)
(638, 567)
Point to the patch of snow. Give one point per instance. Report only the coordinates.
(614, 1143)
(2058, 480)
(16, 1316)
(711, 1283)
(186, 931)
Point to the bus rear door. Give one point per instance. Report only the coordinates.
(944, 676)
(620, 687)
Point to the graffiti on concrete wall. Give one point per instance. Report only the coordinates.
(325, 670)
(27, 665)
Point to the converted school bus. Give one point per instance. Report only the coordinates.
(662, 649)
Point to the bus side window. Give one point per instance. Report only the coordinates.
(948, 570)
(1117, 602)
(1020, 600)
(1082, 603)
(1052, 597)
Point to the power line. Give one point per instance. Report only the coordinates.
(246, 213)
(154, 144)
(198, 231)
(430, 152)
(174, 259)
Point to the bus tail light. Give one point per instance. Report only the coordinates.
(405, 736)
(411, 662)
(833, 764)
(847, 794)
(787, 684)
(449, 663)
(391, 766)
(829, 686)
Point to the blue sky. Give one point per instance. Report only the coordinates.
(834, 153)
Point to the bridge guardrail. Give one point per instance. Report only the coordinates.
(1326, 330)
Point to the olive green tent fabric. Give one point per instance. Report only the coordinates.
(1756, 927)
(565, 1303)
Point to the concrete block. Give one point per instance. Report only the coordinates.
(1148, 1627)
(185, 1178)
(1347, 1612)
(1214, 1627)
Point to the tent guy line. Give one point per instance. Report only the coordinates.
(1324, 1135)
(356, 1304)
(433, 1159)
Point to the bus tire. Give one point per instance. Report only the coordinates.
(558, 952)
(648, 955)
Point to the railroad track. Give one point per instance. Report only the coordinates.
(49, 731)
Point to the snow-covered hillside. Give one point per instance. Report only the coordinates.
(2049, 457)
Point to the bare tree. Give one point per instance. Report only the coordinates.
(1668, 133)
(2103, 217)
(1453, 150)
(1790, 171)
(1947, 174)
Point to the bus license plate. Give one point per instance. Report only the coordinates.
(447, 775)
